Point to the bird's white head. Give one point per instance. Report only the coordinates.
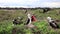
(48, 18)
(29, 15)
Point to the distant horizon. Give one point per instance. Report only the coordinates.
(30, 7)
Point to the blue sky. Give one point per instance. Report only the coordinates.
(29, 3)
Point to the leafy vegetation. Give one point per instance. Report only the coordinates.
(42, 27)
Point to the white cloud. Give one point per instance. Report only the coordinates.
(51, 4)
(29, 3)
(17, 1)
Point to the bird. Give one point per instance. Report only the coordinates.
(29, 22)
(29, 19)
(17, 21)
(33, 18)
(52, 23)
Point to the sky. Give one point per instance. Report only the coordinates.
(30, 3)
